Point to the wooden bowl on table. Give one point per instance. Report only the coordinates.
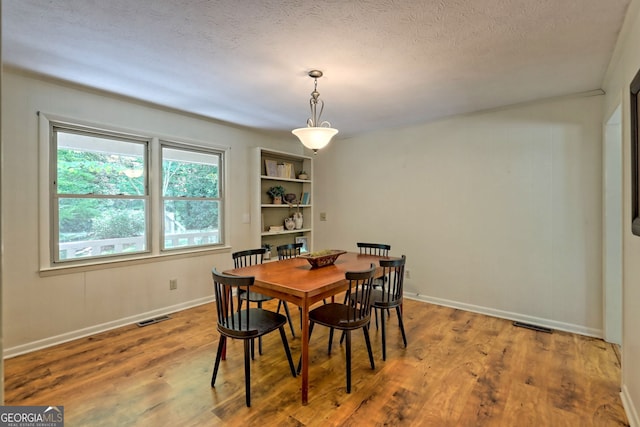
(323, 258)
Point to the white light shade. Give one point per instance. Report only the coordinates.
(315, 138)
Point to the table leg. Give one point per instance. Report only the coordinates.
(305, 352)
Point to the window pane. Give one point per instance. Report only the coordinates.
(88, 164)
(189, 173)
(191, 223)
(91, 227)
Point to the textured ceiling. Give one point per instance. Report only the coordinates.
(387, 63)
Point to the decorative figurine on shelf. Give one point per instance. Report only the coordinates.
(276, 194)
(267, 254)
(297, 219)
(289, 223)
(290, 198)
(297, 216)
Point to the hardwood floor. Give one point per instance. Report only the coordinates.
(460, 369)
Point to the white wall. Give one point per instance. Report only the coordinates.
(39, 310)
(624, 65)
(612, 227)
(497, 212)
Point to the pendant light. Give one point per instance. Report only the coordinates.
(318, 133)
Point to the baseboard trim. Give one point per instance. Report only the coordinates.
(629, 408)
(81, 333)
(548, 323)
(92, 330)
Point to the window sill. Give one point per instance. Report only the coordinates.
(125, 262)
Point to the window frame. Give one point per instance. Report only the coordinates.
(220, 199)
(54, 128)
(154, 208)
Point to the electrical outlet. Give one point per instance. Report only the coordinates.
(407, 273)
(323, 216)
(173, 284)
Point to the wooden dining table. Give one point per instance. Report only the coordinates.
(293, 280)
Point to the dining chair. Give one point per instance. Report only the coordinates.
(389, 296)
(378, 249)
(250, 257)
(290, 250)
(245, 325)
(355, 314)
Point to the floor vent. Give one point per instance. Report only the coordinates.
(533, 327)
(152, 321)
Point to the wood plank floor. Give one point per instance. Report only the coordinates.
(460, 369)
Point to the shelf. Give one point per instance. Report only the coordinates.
(277, 178)
(284, 205)
(277, 233)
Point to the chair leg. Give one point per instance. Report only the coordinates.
(348, 334)
(287, 350)
(384, 334)
(259, 338)
(330, 340)
(375, 313)
(286, 310)
(404, 337)
(221, 344)
(346, 297)
(300, 360)
(247, 373)
(365, 329)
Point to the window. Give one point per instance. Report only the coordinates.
(191, 196)
(118, 195)
(100, 199)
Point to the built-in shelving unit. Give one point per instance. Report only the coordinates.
(267, 214)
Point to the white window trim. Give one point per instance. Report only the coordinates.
(155, 254)
(179, 145)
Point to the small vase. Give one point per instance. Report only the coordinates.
(289, 223)
(297, 219)
(277, 200)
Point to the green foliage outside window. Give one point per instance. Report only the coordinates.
(84, 172)
(191, 180)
